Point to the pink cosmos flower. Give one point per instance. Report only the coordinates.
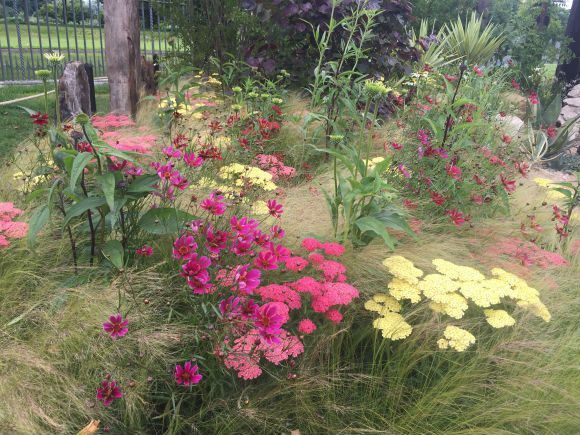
(404, 171)
(216, 241)
(478, 71)
(396, 146)
(437, 198)
(268, 318)
(187, 374)
(266, 261)
(243, 225)
(275, 208)
(454, 172)
(214, 204)
(306, 326)
(116, 327)
(516, 85)
(457, 217)
(230, 307)
(423, 136)
(277, 232)
(171, 152)
(509, 185)
(179, 181)
(195, 271)
(108, 391)
(534, 98)
(192, 160)
(184, 247)
(552, 132)
(477, 199)
(522, 168)
(144, 251)
(247, 279)
(166, 171)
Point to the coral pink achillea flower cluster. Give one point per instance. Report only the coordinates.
(275, 166)
(8, 228)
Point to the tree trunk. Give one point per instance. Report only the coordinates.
(570, 71)
(123, 54)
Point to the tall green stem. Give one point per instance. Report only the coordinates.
(56, 97)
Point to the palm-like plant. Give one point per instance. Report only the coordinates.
(472, 42)
(435, 55)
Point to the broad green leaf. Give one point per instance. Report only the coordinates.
(565, 192)
(38, 220)
(372, 224)
(82, 206)
(27, 110)
(107, 182)
(114, 252)
(143, 183)
(64, 159)
(163, 221)
(78, 166)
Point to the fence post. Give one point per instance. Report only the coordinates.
(122, 52)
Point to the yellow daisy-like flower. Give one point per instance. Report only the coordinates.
(452, 304)
(401, 289)
(435, 284)
(393, 326)
(460, 273)
(403, 269)
(499, 318)
(456, 338)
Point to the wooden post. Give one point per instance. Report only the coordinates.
(123, 54)
(570, 71)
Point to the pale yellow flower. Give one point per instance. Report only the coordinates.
(456, 338)
(499, 318)
(393, 326)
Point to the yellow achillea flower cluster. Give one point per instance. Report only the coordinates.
(499, 318)
(242, 175)
(403, 269)
(456, 338)
(393, 326)
(449, 292)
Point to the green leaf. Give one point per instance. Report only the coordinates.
(27, 110)
(565, 192)
(143, 183)
(37, 222)
(114, 252)
(64, 159)
(163, 221)
(82, 206)
(108, 183)
(78, 166)
(372, 224)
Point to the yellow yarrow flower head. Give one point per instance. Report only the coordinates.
(401, 289)
(435, 284)
(538, 309)
(499, 318)
(452, 304)
(382, 303)
(456, 338)
(402, 268)
(54, 57)
(459, 273)
(393, 326)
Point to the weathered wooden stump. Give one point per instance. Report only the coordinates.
(74, 90)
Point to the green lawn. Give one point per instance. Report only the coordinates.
(150, 40)
(14, 123)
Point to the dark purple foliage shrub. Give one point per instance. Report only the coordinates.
(290, 20)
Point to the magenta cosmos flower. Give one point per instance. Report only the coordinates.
(275, 209)
(116, 327)
(184, 247)
(187, 374)
(214, 204)
(247, 279)
(108, 391)
(268, 320)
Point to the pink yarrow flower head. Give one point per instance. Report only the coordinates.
(108, 392)
(311, 244)
(214, 204)
(296, 264)
(334, 316)
(333, 249)
(187, 375)
(306, 326)
(275, 209)
(116, 327)
(144, 251)
(184, 247)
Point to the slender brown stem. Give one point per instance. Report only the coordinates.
(449, 117)
(70, 234)
(91, 225)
